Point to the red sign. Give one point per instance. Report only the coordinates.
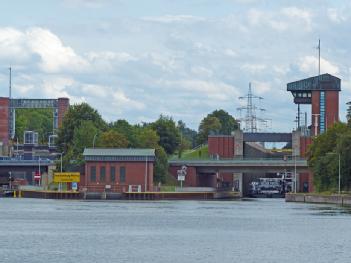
(37, 176)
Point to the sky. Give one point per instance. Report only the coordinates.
(135, 60)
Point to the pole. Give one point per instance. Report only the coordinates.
(10, 185)
(319, 57)
(61, 162)
(94, 140)
(295, 176)
(145, 174)
(10, 84)
(39, 171)
(339, 174)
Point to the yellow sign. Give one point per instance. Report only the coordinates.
(66, 177)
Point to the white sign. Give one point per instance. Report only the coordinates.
(74, 186)
(181, 178)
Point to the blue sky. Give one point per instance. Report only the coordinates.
(136, 60)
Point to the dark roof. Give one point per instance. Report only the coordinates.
(322, 82)
(118, 152)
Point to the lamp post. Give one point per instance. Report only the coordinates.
(94, 140)
(295, 175)
(60, 168)
(339, 173)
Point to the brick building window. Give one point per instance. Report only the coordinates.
(92, 174)
(102, 174)
(122, 174)
(113, 174)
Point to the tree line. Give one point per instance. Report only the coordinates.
(324, 154)
(84, 127)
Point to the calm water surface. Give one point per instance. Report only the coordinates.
(262, 230)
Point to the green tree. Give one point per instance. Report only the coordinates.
(112, 139)
(228, 123)
(168, 133)
(146, 137)
(126, 129)
(188, 136)
(83, 137)
(323, 158)
(209, 125)
(161, 165)
(348, 115)
(38, 120)
(73, 118)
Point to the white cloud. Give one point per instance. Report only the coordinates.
(16, 45)
(299, 14)
(120, 100)
(173, 19)
(54, 55)
(309, 65)
(216, 91)
(261, 88)
(253, 68)
(335, 15)
(85, 3)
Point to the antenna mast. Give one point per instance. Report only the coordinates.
(10, 83)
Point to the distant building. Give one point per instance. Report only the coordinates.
(118, 170)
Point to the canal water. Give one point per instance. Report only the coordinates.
(260, 230)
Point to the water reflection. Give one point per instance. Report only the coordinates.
(257, 230)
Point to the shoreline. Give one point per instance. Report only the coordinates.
(342, 200)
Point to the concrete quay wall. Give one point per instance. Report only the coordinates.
(343, 200)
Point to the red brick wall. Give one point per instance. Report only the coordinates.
(305, 142)
(221, 145)
(135, 175)
(4, 116)
(63, 105)
(190, 178)
(331, 107)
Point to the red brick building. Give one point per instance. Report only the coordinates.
(119, 170)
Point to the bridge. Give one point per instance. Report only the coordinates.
(244, 165)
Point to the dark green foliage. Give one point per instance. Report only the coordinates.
(168, 133)
(39, 120)
(188, 135)
(217, 122)
(73, 119)
(324, 158)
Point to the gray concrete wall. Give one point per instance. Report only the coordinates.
(319, 199)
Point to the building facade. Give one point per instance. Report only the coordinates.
(119, 170)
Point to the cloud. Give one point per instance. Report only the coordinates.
(173, 19)
(85, 3)
(309, 65)
(335, 15)
(299, 14)
(261, 88)
(122, 101)
(54, 55)
(253, 68)
(40, 46)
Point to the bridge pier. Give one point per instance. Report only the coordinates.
(238, 183)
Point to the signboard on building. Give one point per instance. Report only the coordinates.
(66, 177)
(74, 186)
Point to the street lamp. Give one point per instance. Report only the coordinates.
(295, 181)
(61, 168)
(94, 139)
(61, 159)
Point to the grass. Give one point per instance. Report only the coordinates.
(197, 154)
